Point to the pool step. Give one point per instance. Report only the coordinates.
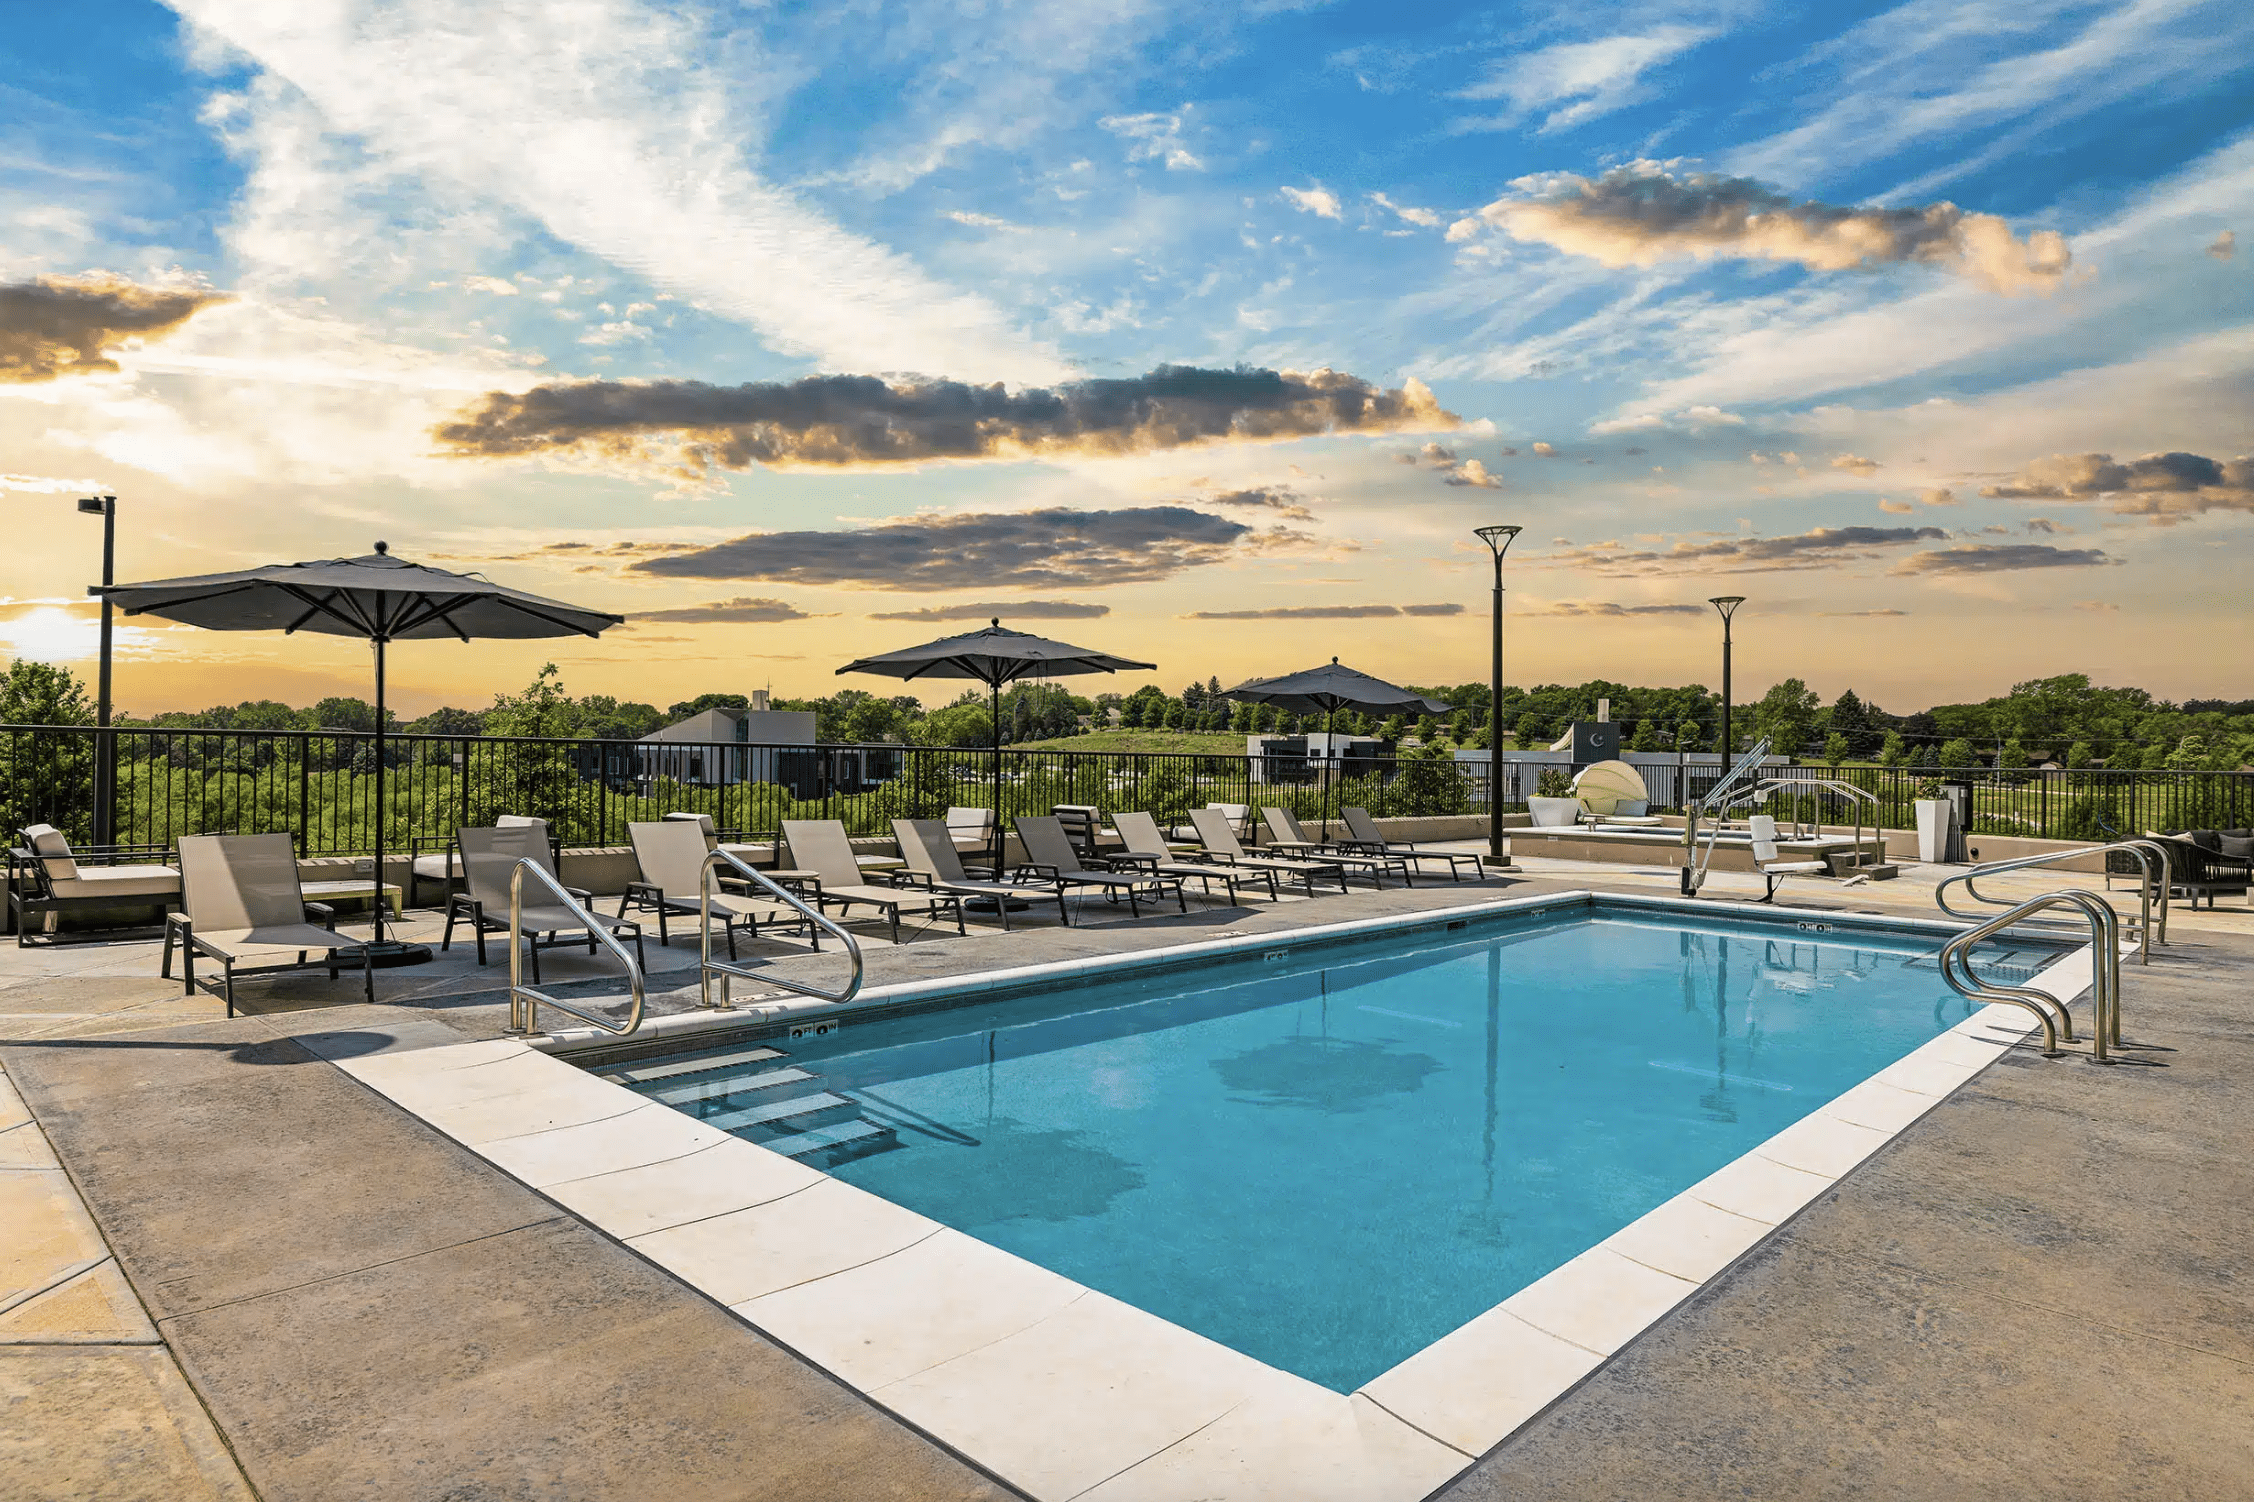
(768, 1084)
(696, 1063)
(834, 1144)
(798, 1113)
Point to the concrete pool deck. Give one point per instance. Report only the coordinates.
(486, 1342)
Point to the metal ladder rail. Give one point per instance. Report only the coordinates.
(1694, 868)
(524, 1001)
(1769, 787)
(709, 967)
(2148, 856)
(2105, 972)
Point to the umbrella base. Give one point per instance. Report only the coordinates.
(391, 954)
(989, 904)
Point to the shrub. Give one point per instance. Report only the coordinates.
(1553, 784)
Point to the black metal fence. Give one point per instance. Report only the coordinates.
(319, 786)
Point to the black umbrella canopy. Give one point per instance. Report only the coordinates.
(1326, 690)
(377, 597)
(994, 657)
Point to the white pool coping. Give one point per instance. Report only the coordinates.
(1068, 1393)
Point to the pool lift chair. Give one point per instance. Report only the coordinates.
(1772, 869)
(1697, 862)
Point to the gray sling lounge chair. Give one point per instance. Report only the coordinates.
(1147, 850)
(243, 903)
(445, 868)
(1221, 844)
(934, 866)
(489, 862)
(1285, 834)
(671, 855)
(1366, 836)
(823, 847)
(1049, 855)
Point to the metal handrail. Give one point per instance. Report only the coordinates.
(710, 967)
(1768, 788)
(2105, 972)
(530, 1001)
(2137, 848)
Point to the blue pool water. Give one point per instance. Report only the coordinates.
(1329, 1161)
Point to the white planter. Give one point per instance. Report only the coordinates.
(1935, 816)
(1554, 813)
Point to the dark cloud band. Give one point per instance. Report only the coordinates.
(1821, 547)
(743, 610)
(1322, 612)
(63, 325)
(840, 421)
(2000, 558)
(1021, 610)
(2161, 486)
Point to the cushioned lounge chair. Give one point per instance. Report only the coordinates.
(489, 862)
(1363, 834)
(1765, 856)
(1284, 834)
(46, 879)
(671, 855)
(935, 866)
(1147, 849)
(243, 903)
(1049, 856)
(823, 847)
(1221, 844)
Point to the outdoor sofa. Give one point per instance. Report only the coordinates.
(2208, 862)
(46, 879)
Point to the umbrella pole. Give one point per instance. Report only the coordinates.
(379, 810)
(1330, 755)
(1001, 835)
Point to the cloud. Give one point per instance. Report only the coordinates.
(1049, 548)
(1822, 547)
(1596, 77)
(1157, 138)
(1317, 200)
(1857, 615)
(1610, 608)
(1941, 497)
(1694, 419)
(1642, 213)
(1322, 612)
(2224, 245)
(1545, 451)
(2162, 486)
(1020, 610)
(48, 485)
(1855, 464)
(979, 221)
(1281, 499)
(1999, 558)
(1408, 214)
(2097, 607)
(743, 610)
(54, 326)
(497, 286)
(1895, 508)
(1472, 472)
(839, 421)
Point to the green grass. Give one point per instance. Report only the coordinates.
(1142, 740)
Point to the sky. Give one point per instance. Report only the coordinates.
(1204, 334)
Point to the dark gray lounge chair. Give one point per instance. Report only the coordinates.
(1363, 834)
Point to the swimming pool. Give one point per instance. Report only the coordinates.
(1328, 1158)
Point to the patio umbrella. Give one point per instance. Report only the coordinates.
(993, 657)
(1326, 691)
(378, 597)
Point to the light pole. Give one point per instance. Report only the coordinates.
(105, 745)
(1498, 540)
(1727, 604)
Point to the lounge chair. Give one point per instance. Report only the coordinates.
(1239, 816)
(445, 868)
(46, 880)
(1050, 857)
(1285, 834)
(1146, 849)
(1083, 825)
(971, 829)
(489, 862)
(2201, 865)
(671, 855)
(1221, 844)
(935, 866)
(243, 903)
(1363, 834)
(822, 847)
(1764, 831)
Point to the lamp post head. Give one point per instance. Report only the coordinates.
(96, 505)
(1498, 539)
(1727, 604)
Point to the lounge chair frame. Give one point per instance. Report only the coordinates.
(487, 914)
(735, 912)
(934, 865)
(1220, 842)
(1284, 833)
(224, 944)
(1043, 835)
(815, 845)
(1364, 835)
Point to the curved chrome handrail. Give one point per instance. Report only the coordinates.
(522, 996)
(710, 967)
(2146, 887)
(2105, 971)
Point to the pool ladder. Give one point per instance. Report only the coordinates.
(754, 1091)
(2057, 1020)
